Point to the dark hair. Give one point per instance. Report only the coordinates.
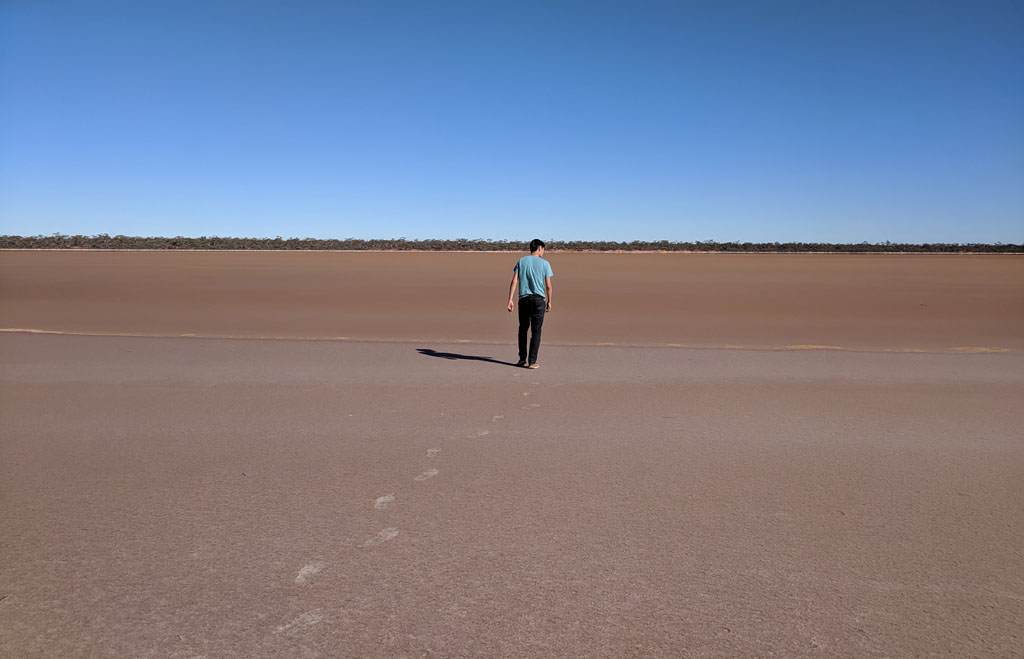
(535, 243)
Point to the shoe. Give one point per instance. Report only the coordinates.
(533, 366)
(521, 362)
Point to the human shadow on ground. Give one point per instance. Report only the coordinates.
(429, 352)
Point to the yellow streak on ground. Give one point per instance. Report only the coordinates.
(29, 331)
(221, 337)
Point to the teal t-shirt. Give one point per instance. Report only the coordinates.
(533, 270)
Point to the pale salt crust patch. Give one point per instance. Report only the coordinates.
(308, 571)
(383, 535)
(302, 623)
(497, 417)
(432, 452)
(481, 433)
(531, 406)
(382, 502)
(429, 473)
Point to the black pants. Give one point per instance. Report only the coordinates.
(531, 314)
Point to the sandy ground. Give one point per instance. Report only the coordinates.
(185, 497)
(889, 302)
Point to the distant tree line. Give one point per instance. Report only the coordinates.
(103, 241)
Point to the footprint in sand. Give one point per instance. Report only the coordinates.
(302, 623)
(382, 502)
(429, 473)
(432, 452)
(383, 535)
(307, 572)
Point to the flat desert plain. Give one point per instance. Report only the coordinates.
(331, 455)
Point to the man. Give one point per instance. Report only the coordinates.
(532, 276)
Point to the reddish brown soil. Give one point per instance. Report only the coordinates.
(928, 302)
(184, 497)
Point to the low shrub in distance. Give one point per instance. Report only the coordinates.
(104, 241)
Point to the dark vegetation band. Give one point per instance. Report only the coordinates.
(103, 241)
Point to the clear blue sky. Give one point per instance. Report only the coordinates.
(763, 120)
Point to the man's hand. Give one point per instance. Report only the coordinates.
(547, 307)
(510, 306)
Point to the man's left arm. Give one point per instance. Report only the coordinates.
(512, 292)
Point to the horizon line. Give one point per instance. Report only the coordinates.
(510, 241)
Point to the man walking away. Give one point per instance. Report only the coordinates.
(532, 275)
